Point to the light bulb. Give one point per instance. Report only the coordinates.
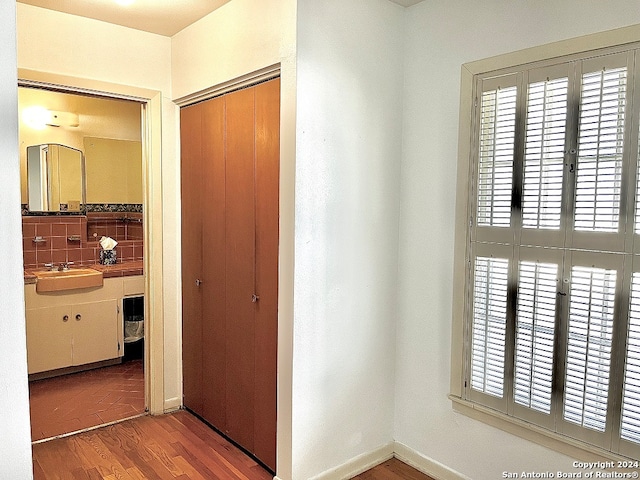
(36, 117)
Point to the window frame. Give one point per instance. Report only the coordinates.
(615, 41)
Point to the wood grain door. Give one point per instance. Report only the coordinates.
(230, 199)
(240, 265)
(213, 288)
(267, 166)
(191, 189)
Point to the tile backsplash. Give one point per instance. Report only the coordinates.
(119, 226)
(63, 238)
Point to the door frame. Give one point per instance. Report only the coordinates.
(284, 375)
(151, 118)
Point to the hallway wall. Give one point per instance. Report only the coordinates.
(15, 435)
(348, 137)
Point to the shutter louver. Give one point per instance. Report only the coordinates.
(495, 169)
(489, 324)
(630, 423)
(600, 148)
(544, 154)
(590, 333)
(535, 324)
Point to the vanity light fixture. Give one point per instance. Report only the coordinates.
(63, 119)
(39, 117)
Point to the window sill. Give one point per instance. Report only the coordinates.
(528, 431)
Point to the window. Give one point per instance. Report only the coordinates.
(553, 308)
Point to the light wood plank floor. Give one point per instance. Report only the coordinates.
(392, 469)
(174, 446)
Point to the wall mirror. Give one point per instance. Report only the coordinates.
(55, 178)
(102, 135)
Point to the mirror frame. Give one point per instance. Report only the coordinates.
(83, 184)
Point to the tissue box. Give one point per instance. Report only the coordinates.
(108, 257)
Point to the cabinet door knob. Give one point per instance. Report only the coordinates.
(198, 282)
(255, 298)
(65, 318)
(78, 317)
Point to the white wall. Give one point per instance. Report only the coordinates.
(238, 38)
(349, 113)
(440, 37)
(15, 436)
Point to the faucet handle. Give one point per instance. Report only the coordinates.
(65, 265)
(49, 265)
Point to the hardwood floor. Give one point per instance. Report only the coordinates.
(392, 469)
(164, 447)
(173, 446)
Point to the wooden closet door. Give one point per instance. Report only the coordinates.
(240, 266)
(191, 186)
(213, 263)
(267, 165)
(230, 211)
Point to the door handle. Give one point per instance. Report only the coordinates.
(255, 298)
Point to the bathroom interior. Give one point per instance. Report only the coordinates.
(82, 193)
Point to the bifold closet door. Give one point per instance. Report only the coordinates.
(267, 240)
(240, 265)
(191, 186)
(213, 287)
(230, 274)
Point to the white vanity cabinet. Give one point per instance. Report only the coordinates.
(75, 327)
(72, 335)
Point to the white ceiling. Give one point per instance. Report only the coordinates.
(164, 17)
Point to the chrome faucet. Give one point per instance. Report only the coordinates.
(64, 266)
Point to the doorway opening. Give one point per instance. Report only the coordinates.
(85, 370)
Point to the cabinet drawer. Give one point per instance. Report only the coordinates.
(133, 285)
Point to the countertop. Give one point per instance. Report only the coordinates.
(124, 269)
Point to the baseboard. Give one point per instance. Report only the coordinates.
(425, 464)
(172, 404)
(359, 464)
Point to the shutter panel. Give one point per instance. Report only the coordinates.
(495, 162)
(544, 154)
(630, 423)
(600, 149)
(489, 325)
(535, 323)
(591, 311)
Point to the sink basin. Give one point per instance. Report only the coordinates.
(54, 281)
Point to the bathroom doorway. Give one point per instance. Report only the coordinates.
(85, 343)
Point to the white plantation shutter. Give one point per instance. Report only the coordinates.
(544, 153)
(535, 323)
(551, 247)
(495, 164)
(630, 424)
(600, 149)
(590, 333)
(489, 325)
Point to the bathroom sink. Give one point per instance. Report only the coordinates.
(54, 280)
